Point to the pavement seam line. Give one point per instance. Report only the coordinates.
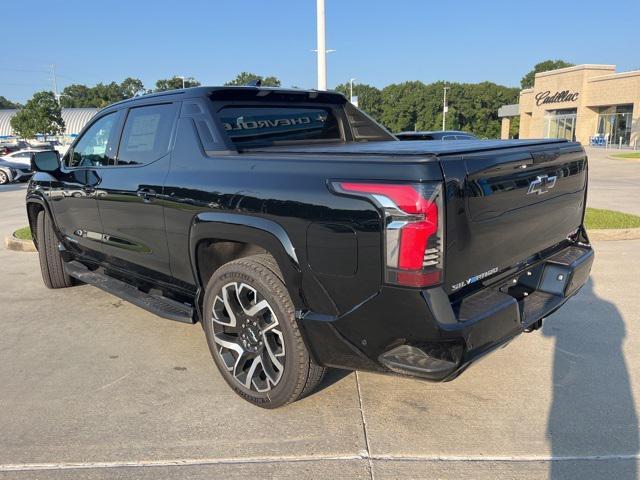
(504, 458)
(307, 458)
(174, 463)
(364, 428)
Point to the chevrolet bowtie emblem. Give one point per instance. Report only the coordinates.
(542, 184)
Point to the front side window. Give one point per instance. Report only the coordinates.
(259, 126)
(97, 146)
(146, 134)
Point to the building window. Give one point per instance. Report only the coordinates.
(561, 124)
(614, 123)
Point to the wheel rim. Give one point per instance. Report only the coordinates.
(3, 177)
(248, 337)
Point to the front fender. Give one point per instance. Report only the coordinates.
(265, 233)
(37, 199)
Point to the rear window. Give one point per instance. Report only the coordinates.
(258, 126)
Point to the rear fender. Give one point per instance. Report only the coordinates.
(253, 230)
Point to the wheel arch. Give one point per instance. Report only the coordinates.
(36, 205)
(251, 235)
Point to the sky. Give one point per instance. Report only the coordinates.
(377, 42)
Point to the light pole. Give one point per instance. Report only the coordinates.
(444, 108)
(322, 46)
(55, 83)
(351, 80)
(182, 78)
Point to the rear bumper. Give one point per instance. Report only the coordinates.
(422, 334)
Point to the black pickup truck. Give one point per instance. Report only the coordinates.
(302, 235)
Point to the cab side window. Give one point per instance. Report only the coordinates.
(97, 146)
(146, 134)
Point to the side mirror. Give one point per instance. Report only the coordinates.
(45, 161)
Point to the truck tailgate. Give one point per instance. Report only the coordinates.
(505, 206)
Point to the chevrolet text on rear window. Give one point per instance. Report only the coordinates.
(264, 125)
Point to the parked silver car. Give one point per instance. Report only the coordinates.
(13, 171)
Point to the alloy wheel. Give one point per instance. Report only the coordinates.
(3, 178)
(248, 336)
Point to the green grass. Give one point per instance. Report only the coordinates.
(628, 155)
(23, 233)
(597, 218)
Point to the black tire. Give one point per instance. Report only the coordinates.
(51, 264)
(256, 279)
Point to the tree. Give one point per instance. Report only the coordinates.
(408, 106)
(418, 106)
(529, 78)
(132, 87)
(41, 115)
(6, 103)
(175, 83)
(245, 78)
(77, 96)
(369, 98)
(100, 95)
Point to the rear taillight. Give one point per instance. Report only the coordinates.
(414, 229)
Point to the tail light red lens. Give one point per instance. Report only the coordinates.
(414, 229)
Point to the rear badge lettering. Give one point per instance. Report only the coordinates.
(474, 279)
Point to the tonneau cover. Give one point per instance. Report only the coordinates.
(417, 147)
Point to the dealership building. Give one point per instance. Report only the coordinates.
(586, 103)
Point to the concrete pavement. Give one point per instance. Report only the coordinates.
(91, 387)
(613, 184)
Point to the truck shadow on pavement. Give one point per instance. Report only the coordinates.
(593, 413)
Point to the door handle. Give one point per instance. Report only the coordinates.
(147, 194)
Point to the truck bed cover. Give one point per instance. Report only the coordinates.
(426, 147)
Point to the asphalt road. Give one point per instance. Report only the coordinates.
(91, 387)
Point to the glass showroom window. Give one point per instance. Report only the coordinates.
(561, 124)
(614, 123)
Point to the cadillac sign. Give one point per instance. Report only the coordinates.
(543, 98)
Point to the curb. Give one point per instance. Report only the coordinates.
(614, 234)
(18, 245)
(618, 159)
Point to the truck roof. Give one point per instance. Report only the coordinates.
(419, 147)
(228, 92)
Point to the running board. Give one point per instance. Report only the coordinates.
(156, 304)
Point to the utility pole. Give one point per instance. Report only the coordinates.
(444, 108)
(351, 80)
(182, 77)
(55, 83)
(322, 46)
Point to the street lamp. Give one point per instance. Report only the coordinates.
(444, 108)
(351, 80)
(182, 78)
(322, 46)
